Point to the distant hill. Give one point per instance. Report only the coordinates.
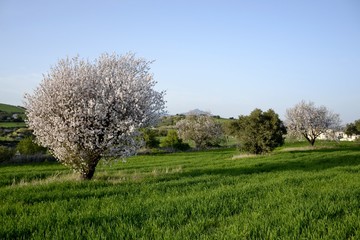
(10, 114)
(11, 109)
(12, 125)
(197, 112)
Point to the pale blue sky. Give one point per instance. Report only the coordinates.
(227, 57)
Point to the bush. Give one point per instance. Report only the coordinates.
(162, 132)
(172, 140)
(260, 132)
(6, 153)
(32, 159)
(150, 139)
(27, 146)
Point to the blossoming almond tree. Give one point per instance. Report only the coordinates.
(202, 129)
(309, 121)
(84, 111)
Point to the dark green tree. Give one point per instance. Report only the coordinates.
(6, 153)
(150, 138)
(27, 146)
(172, 140)
(353, 128)
(260, 132)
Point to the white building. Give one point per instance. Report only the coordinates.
(339, 135)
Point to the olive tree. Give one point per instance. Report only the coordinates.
(87, 110)
(260, 132)
(307, 120)
(202, 129)
(353, 128)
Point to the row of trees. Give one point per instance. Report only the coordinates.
(84, 111)
(261, 132)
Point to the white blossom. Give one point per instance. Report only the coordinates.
(84, 110)
(202, 129)
(309, 121)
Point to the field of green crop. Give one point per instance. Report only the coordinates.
(296, 192)
(11, 109)
(12, 125)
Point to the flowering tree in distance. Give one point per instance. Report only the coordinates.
(83, 111)
(309, 121)
(202, 129)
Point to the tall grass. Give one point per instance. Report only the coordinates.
(293, 193)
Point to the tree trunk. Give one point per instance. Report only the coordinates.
(309, 139)
(89, 172)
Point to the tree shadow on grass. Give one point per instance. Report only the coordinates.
(314, 160)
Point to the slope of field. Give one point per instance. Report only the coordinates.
(11, 109)
(293, 193)
(12, 124)
(7, 111)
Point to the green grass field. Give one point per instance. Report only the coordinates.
(11, 109)
(12, 125)
(296, 192)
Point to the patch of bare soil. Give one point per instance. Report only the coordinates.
(308, 148)
(245, 155)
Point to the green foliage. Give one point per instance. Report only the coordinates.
(172, 140)
(9, 113)
(27, 146)
(170, 120)
(150, 138)
(353, 128)
(260, 132)
(231, 127)
(293, 193)
(6, 154)
(12, 125)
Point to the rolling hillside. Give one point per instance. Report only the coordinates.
(11, 109)
(12, 125)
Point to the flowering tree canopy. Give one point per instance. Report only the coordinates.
(83, 111)
(309, 121)
(202, 129)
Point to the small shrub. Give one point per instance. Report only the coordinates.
(27, 146)
(172, 140)
(162, 132)
(32, 158)
(6, 153)
(150, 139)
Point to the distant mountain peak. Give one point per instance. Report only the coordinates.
(197, 112)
